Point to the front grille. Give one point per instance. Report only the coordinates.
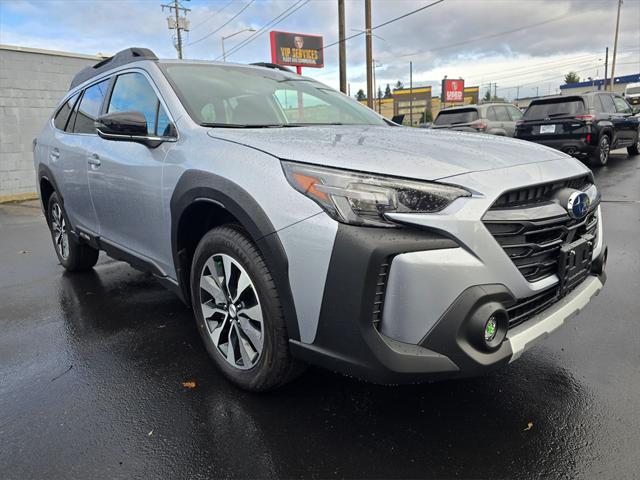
(378, 300)
(539, 193)
(526, 308)
(534, 245)
(531, 228)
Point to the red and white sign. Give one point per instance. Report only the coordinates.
(453, 90)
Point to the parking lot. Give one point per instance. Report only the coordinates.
(94, 373)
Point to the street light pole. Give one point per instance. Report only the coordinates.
(224, 54)
(615, 47)
(342, 48)
(367, 22)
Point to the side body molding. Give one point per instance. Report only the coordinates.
(200, 186)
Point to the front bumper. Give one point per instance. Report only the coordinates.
(427, 283)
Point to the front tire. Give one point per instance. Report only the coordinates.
(73, 255)
(238, 311)
(600, 156)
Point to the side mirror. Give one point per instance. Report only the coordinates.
(128, 127)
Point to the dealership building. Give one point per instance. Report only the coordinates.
(619, 84)
(413, 102)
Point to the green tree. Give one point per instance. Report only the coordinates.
(379, 92)
(426, 117)
(487, 96)
(361, 95)
(571, 77)
(399, 85)
(387, 92)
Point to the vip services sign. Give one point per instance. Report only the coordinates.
(297, 49)
(453, 90)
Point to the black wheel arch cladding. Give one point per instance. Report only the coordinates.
(199, 185)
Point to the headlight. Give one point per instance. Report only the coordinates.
(363, 199)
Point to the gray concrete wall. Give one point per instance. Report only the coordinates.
(31, 84)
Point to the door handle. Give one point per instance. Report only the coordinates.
(94, 160)
(54, 154)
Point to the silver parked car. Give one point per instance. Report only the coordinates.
(492, 118)
(302, 227)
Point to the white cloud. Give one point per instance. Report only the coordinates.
(447, 39)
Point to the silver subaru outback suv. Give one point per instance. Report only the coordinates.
(302, 227)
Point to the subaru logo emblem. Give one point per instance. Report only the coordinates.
(578, 204)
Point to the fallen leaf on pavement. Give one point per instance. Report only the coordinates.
(150, 433)
(529, 426)
(189, 384)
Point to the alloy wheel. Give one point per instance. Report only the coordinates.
(59, 230)
(231, 309)
(604, 149)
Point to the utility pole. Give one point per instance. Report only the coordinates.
(517, 92)
(606, 66)
(537, 93)
(615, 47)
(411, 94)
(495, 91)
(342, 48)
(177, 23)
(367, 22)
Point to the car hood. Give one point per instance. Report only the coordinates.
(400, 151)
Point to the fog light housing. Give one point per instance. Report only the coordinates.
(487, 328)
(490, 329)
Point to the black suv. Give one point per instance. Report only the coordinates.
(585, 126)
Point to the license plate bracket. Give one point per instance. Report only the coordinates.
(574, 262)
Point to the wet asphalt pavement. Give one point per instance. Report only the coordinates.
(92, 365)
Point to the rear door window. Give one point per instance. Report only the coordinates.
(621, 105)
(515, 113)
(133, 93)
(607, 103)
(492, 115)
(90, 107)
(502, 114)
(554, 108)
(62, 116)
(453, 117)
(597, 104)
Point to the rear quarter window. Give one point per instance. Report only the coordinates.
(62, 115)
(456, 116)
(555, 108)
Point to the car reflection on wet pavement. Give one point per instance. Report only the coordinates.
(92, 369)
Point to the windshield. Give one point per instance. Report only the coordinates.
(230, 96)
(633, 90)
(456, 116)
(554, 108)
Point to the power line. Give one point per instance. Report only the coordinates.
(271, 23)
(223, 25)
(493, 35)
(212, 15)
(385, 23)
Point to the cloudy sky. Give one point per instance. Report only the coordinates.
(522, 45)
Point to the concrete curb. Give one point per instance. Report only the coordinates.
(18, 197)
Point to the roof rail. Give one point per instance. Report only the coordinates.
(134, 54)
(275, 66)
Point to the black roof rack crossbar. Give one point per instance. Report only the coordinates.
(130, 55)
(275, 66)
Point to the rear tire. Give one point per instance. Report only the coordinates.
(73, 255)
(635, 148)
(600, 156)
(244, 330)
